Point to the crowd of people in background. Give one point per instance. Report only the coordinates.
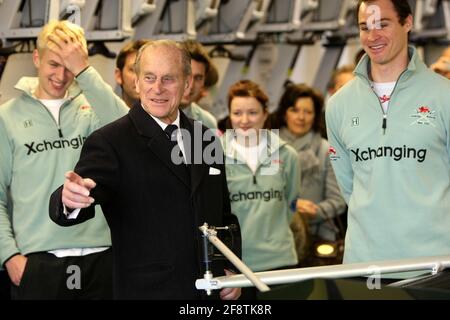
(285, 182)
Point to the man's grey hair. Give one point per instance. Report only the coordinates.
(185, 57)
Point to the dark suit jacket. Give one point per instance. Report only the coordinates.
(152, 206)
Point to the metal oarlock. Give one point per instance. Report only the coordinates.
(208, 283)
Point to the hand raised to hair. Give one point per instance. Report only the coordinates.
(71, 49)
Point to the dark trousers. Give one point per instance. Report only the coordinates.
(5, 285)
(70, 278)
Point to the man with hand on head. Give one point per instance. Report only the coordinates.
(41, 135)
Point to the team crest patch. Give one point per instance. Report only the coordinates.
(424, 115)
(332, 153)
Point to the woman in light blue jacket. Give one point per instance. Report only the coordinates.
(263, 180)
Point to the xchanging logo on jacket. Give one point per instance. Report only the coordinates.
(37, 147)
(266, 195)
(397, 153)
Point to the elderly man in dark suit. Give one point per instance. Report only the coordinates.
(152, 202)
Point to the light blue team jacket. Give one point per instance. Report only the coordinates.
(396, 181)
(261, 201)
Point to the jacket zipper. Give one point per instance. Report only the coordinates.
(255, 182)
(384, 121)
(59, 116)
(58, 127)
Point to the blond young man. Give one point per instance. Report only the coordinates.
(41, 135)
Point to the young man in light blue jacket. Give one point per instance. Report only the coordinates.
(41, 136)
(389, 129)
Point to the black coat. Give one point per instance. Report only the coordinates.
(153, 207)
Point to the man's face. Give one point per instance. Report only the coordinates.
(54, 78)
(382, 36)
(198, 75)
(126, 78)
(161, 82)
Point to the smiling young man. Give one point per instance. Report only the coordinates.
(389, 129)
(41, 135)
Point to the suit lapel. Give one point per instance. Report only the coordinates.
(157, 141)
(198, 170)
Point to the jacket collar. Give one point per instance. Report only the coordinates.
(160, 146)
(415, 64)
(144, 123)
(156, 141)
(274, 143)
